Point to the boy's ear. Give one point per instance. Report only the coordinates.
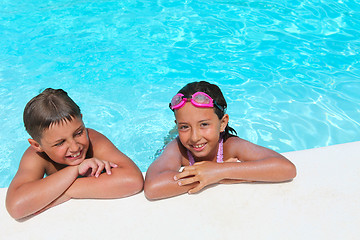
(224, 122)
(34, 144)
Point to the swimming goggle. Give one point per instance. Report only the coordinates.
(198, 99)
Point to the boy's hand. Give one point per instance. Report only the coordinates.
(94, 167)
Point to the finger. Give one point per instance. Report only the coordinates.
(90, 165)
(107, 167)
(187, 181)
(100, 167)
(199, 163)
(94, 167)
(196, 189)
(184, 174)
(113, 165)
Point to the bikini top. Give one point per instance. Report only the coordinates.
(219, 156)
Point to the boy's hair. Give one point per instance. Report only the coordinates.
(215, 93)
(52, 106)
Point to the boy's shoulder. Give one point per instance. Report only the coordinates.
(34, 163)
(95, 135)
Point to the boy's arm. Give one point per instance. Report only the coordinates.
(159, 180)
(29, 192)
(125, 180)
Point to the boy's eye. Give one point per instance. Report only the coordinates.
(59, 144)
(80, 132)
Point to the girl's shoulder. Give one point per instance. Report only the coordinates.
(236, 146)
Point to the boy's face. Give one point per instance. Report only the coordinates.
(66, 142)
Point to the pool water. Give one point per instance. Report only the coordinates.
(290, 70)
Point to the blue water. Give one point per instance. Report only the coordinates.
(290, 70)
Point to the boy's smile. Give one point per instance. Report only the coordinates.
(66, 142)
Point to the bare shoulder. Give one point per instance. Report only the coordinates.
(102, 148)
(247, 151)
(99, 141)
(95, 135)
(33, 165)
(169, 160)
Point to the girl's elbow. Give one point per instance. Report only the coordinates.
(150, 191)
(14, 209)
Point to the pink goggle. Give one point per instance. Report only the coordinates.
(198, 99)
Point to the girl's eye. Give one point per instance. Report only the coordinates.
(182, 127)
(204, 124)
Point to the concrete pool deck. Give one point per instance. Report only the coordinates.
(322, 202)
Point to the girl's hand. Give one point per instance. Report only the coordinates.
(232, 160)
(205, 173)
(94, 167)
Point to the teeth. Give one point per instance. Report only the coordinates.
(75, 155)
(200, 145)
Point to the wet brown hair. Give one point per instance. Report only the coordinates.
(215, 93)
(52, 106)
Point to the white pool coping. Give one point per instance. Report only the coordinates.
(322, 202)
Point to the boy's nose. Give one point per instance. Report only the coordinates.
(74, 146)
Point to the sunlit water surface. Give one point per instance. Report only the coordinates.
(289, 70)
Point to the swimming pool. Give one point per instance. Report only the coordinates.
(289, 70)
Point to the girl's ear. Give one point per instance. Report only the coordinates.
(34, 144)
(224, 122)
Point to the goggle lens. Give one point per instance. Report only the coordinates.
(176, 99)
(201, 99)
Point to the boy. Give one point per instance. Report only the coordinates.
(72, 157)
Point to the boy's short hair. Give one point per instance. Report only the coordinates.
(52, 106)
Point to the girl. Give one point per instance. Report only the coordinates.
(208, 149)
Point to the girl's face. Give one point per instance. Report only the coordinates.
(65, 143)
(199, 130)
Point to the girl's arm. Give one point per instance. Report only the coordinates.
(124, 180)
(257, 164)
(159, 180)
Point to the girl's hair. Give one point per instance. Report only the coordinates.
(215, 93)
(52, 106)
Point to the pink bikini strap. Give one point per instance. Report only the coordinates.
(219, 156)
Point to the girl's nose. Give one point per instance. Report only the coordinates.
(195, 135)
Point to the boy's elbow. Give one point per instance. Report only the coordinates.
(137, 183)
(289, 171)
(134, 184)
(292, 171)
